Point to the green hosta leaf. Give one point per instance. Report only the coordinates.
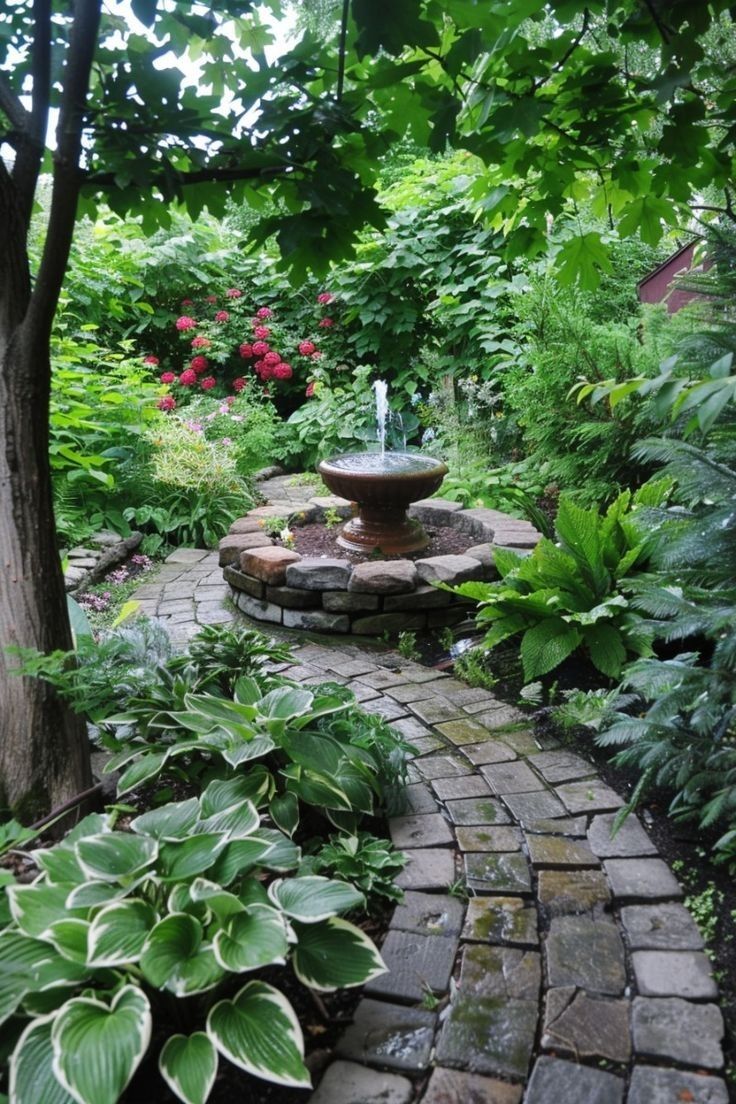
(256, 937)
(222, 903)
(174, 957)
(115, 855)
(545, 645)
(320, 753)
(245, 750)
(142, 770)
(97, 1048)
(238, 856)
(222, 794)
(20, 957)
(247, 690)
(36, 907)
(237, 822)
(188, 1065)
(32, 1078)
(607, 649)
(284, 811)
(70, 938)
(259, 1032)
(284, 855)
(314, 898)
(219, 710)
(170, 822)
(90, 894)
(118, 932)
(316, 789)
(285, 703)
(334, 954)
(185, 858)
(60, 864)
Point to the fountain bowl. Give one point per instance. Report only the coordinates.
(383, 485)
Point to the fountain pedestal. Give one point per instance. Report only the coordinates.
(383, 486)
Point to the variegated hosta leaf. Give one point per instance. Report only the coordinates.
(59, 864)
(36, 907)
(32, 1078)
(175, 958)
(188, 1065)
(181, 900)
(256, 937)
(242, 751)
(314, 898)
(221, 794)
(114, 855)
(97, 1048)
(118, 932)
(185, 858)
(258, 1031)
(334, 954)
(283, 854)
(239, 856)
(70, 938)
(92, 894)
(236, 822)
(284, 810)
(170, 822)
(284, 703)
(19, 957)
(222, 903)
(142, 770)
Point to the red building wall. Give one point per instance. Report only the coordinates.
(658, 286)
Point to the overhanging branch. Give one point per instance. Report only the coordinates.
(165, 179)
(11, 106)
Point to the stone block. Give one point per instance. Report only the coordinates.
(554, 1080)
(427, 868)
(501, 920)
(379, 678)
(488, 839)
(490, 1036)
(511, 973)
(317, 620)
(350, 1083)
(570, 892)
(341, 506)
(449, 1086)
(240, 581)
(586, 953)
(469, 785)
(449, 569)
(497, 872)
(246, 525)
(425, 830)
(674, 974)
(591, 796)
(434, 511)
(416, 964)
(563, 826)
(662, 927)
(477, 811)
(643, 879)
(231, 547)
(323, 573)
(428, 914)
(383, 577)
(561, 766)
(377, 623)
(268, 564)
(409, 691)
(679, 1030)
(653, 1085)
(390, 1036)
(187, 555)
(462, 731)
(260, 611)
(439, 619)
(511, 778)
(424, 598)
(291, 598)
(629, 840)
(586, 1027)
(435, 710)
(382, 706)
(533, 805)
(559, 852)
(489, 750)
(441, 766)
(342, 601)
(501, 716)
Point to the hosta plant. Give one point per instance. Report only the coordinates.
(569, 594)
(158, 932)
(368, 862)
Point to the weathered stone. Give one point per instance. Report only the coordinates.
(653, 1085)
(351, 668)
(586, 1027)
(511, 778)
(470, 785)
(646, 879)
(377, 623)
(522, 742)
(319, 574)
(319, 620)
(664, 927)
(292, 598)
(630, 839)
(384, 707)
(489, 750)
(261, 611)
(463, 731)
(488, 839)
(435, 710)
(561, 766)
(570, 892)
(589, 796)
(212, 613)
(239, 581)
(426, 830)
(674, 974)
(231, 547)
(409, 692)
(176, 605)
(349, 1083)
(680, 1030)
(380, 677)
(564, 826)
(428, 914)
(417, 799)
(484, 554)
(554, 1080)
(455, 1087)
(424, 598)
(586, 953)
(427, 868)
(449, 569)
(556, 851)
(533, 805)
(389, 1035)
(510, 972)
(342, 601)
(417, 964)
(423, 745)
(490, 1036)
(497, 872)
(441, 766)
(435, 511)
(477, 810)
(501, 920)
(187, 555)
(246, 525)
(498, 717)
(383, 577)
(413, 730)
(268, 564)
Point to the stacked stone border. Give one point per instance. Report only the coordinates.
(272, 584)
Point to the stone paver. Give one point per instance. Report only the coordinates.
(647, 879)
(585, 953)
(629, 841)
(665, 927)
(651, 1085)
(568, 892)
(455, 1087)
(427, 830)
(669, 1027)
(674, 973)
(350, 1083)
(502, 920)
(389, 1035)
(554, 1081)
(497, 872)
(429, 914)
(586, 1027)
(418, 964)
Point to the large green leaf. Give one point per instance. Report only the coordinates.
(334, 954)
(607, 648)
(545, 645)
(174, 957)
(185, 858)
(221, 794)
(115, 855)
(32, 1078)
(97, 1048)
(239, 856)
(284, 811)
(70, 937)
(259, 1032)
(237, 822)
(142, 770)
(188, 1065)
(170, 822)
(118, 932)
(243, 751)
(20, 958)
(314, 898)
(36, 907)
(285, 703)
(253, 938)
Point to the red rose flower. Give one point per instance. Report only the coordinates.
(316, 354)
(188, 377)
(211, 298)
(261, 332)
(325, 323)
(238, 384)
(230, 400)
(199, 364)
(208, 383)
(265, 372)
(306, 348)
(167, 377)
(233, 293)
(222, 316)
(325, 297)
(168, 402)
(152, 360)
(264, 312)
(282, 371)
(272, 357)
(246, 350)
(260, 348)
(200, 342)
(185, 323)
(187, 303)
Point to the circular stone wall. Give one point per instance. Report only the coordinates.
(272, 584)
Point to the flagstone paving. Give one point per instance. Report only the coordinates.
(531, 949)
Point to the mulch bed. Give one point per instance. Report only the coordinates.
(317, 539)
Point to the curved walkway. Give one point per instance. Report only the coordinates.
(535, 959)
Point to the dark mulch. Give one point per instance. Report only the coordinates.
(320, 540)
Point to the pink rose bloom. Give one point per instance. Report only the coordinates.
(283, 371)
(208, 383)
(188, 377)
(261, 332)
(266, 372)
(167, 377)
(325, 297)
(211, 298)
(272, 357)
(200, 342)
(316, 354)
(238, 384)
(199, 364)
(260, 348)
(168, 402)
(222, 316)
(152, 360)
(230, 400)
(187, 303)
(325, 323)
(246, 350)
(233, 293)
(185, 323)
(264, 312)
(306, 348)
(226, 440)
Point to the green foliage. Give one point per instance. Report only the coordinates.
(406, 645)
(370, 863)
(569, 595)
(473, 667)
(340, 416)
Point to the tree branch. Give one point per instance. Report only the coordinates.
(103, 180)
(11, 106)
(341, 49)
(29, 151)
(664, 31)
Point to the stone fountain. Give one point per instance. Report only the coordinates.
(383, 484)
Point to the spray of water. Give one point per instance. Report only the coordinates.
(381, 389)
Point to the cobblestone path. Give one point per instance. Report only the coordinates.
(563, 967)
